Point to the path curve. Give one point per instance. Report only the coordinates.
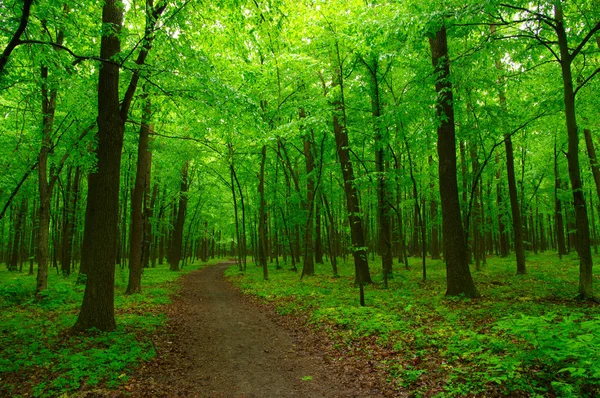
(220, 344)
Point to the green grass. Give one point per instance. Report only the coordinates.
(526, 335)
(38, 355)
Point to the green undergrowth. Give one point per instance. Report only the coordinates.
(526, 335)
(40, 357)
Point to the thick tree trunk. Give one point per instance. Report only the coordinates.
(101, 219)
(458, 275)
(175, 249)
(582, 223)
(138, 230)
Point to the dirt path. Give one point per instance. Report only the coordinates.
(220, 344)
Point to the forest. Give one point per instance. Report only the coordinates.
(418, 179)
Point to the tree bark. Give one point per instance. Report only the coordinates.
(582, 223)
(16, 38)
(70, 221)
(175, 249)
(359, 249)
(308, 267)
(262, 216)
(138, 230)
(458, 274)
(593, 159)
(101, 218)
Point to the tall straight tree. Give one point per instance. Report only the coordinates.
(175, 251)
(140, 191)
(458, 274)
(308, 267)
(99, 249)
(102, 211)
(359, 249)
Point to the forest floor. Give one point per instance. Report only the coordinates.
(221, 343)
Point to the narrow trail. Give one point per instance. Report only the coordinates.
(220, 344)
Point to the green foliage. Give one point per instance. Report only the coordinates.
(40, 356)
(526, 335)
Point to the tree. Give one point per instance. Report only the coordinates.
(458, 275)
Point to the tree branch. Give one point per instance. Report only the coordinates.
(15, 40)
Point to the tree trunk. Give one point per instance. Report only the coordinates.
(138, 215)
(458, 275)
(175, 249)
(262, 216)
(582, 224)
(558, 214)
(70, 221)
(593, 159)
(308, 267)
(359, 250)
(503, 244)
(101, 219)
(512, 192)
(318, 237)
(383, 206)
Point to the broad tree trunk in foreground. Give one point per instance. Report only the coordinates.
(458, 274)
(101, 217)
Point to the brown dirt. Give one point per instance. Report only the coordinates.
(220, 343)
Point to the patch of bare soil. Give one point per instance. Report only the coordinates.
(220, 343)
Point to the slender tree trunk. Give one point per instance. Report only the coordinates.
(383, 206)
(176, 247)
(138, 215)
(458, 275)
(500, 205)
(19, 223)
(359, 250)
(318, 237)
(70, 221)
(433, 215)
(512, 191)
(579, 203)
(308, 268)
(262, 217)
(558, 215)
(331, 235)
